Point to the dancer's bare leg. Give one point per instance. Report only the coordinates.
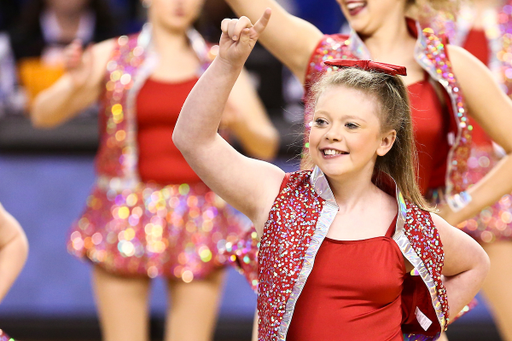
(497, 287)
(122, 304)
(193, 307)
(255, 326)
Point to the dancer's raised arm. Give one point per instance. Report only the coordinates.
(77, 89)
(249, 185)
(290, 39)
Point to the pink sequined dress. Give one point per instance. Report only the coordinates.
(148, 214)
(491, 44)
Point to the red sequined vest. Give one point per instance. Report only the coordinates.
(299, 221)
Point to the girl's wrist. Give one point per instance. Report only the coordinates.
(458, 201)
(228, 66)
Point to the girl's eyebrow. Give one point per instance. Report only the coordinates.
(354, 117)
(342, 117)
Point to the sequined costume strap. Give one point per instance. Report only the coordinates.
(286, 237)
(426, 242)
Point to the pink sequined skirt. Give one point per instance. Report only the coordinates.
(242, 254)
(494, 222)
(175, 231)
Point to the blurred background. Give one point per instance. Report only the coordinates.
(46, 175)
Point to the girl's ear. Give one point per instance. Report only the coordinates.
(386, 142)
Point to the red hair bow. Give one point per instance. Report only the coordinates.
(369, 65)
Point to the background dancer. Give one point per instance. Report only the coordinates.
(149, 214)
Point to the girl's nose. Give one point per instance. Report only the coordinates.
(333, 135)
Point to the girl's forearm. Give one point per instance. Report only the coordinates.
(486, 192)
(201, 114)
(56, 104)
(462, 288)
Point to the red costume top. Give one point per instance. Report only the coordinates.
(430, 128)
(298, 223)
(158, 107)
(354, 284)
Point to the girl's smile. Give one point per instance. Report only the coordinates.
(346, 132)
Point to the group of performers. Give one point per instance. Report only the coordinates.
(405, 136)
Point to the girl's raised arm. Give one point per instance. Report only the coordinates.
(288, 38)
(492, 110)
(77, 89)
(247, 184)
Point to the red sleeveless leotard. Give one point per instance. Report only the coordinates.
(353, 292)
(158, 107)
(430, 130)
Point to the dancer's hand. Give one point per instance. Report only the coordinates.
(78, 63)
(239, 37)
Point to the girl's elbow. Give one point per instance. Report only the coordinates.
(179, 140)
(485, 263)
(481, 265)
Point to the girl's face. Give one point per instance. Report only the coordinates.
(346, 137)
(176, 15)
(366, 16)
(67, 6)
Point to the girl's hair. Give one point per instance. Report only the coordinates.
(426, 11)
(393, 104)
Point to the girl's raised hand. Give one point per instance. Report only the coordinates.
(239, 37)
(78, 63)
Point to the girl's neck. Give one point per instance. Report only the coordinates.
(390, 39)
(69, 22)
(352, 191)
(169, 41)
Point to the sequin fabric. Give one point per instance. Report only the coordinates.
(135, 228)
(426, 242)
(4, 336)
(430, 53)
(173, 231)
(299, 221)
(283, 247)
(242, 254)
(493, 222)
(497, 25)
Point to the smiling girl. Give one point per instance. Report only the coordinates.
(349, 249)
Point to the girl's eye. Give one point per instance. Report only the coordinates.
(351, 125)
(320, 121)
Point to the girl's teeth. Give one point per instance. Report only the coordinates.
(353, 5)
